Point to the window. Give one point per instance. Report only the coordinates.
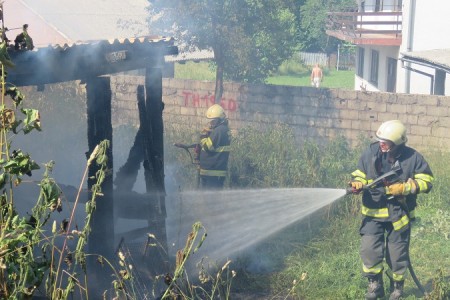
(391, 74)
(361, 62)
(374, 68)
(378, 5)
(399, 5)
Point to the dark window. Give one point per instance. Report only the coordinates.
(391, 74)
(363, 6)
(361, 62)
(374, 68)
(399, 5)
(378, 5)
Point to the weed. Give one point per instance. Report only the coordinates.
(441, 287)
(208, 286)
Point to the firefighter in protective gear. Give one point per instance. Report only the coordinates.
(388, 209)
(214, 149)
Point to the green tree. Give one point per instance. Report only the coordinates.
(249, 38)
(313, 19)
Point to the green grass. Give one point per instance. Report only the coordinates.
(332, 79)
(195, 71)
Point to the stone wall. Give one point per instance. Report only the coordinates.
(319, 114)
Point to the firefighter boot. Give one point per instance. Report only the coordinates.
(375, 289)
(396, 290)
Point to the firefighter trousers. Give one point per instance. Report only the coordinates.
(380, 241)
(212, 182)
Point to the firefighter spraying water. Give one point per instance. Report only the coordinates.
(389, 176)
(212, 152)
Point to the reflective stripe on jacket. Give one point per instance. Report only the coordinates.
(375, 202)
(215, 151)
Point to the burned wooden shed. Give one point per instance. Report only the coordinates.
(92, 63)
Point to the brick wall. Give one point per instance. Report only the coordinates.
(319, 114)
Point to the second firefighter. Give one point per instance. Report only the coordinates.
(214, 149)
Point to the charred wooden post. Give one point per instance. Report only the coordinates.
(98, 89)
(153, 138)
(127, 174)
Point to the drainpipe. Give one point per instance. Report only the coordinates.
(409, 43)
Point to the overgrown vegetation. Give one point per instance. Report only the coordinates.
(327, 266)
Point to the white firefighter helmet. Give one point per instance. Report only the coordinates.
(393, 131)
(215, 112)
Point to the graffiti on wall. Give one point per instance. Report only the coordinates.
(194, 99)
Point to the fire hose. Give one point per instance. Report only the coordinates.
(390, 176)
(194, 159)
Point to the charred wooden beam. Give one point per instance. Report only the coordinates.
(101, 239)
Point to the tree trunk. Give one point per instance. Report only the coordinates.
(219, 84)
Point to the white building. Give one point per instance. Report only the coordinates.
(402, 45)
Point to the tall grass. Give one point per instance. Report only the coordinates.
(273, 157)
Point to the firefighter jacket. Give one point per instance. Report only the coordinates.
(378, 204)
(215, 150)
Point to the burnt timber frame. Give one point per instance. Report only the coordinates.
(90, 63)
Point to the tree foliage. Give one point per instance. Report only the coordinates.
(249, 38)
(313, 19)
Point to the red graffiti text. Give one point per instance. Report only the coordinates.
(197, 100)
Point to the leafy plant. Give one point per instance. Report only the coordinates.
(441, 287)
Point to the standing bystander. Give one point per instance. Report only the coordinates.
(316, 76)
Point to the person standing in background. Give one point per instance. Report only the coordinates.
(316, 76)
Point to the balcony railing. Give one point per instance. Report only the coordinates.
(382, 28)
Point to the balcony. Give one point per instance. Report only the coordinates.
(382, 28)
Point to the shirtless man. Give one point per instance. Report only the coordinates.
(316, 76)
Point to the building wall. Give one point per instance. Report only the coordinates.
(384, 54)
(318, 114)
(430, 21)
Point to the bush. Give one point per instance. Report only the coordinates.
(279, 160)
(293, 66)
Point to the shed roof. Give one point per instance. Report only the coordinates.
(78, 61)
(435, 58)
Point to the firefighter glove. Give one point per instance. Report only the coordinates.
(402, 188)
(205, 133)
(356, 186)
